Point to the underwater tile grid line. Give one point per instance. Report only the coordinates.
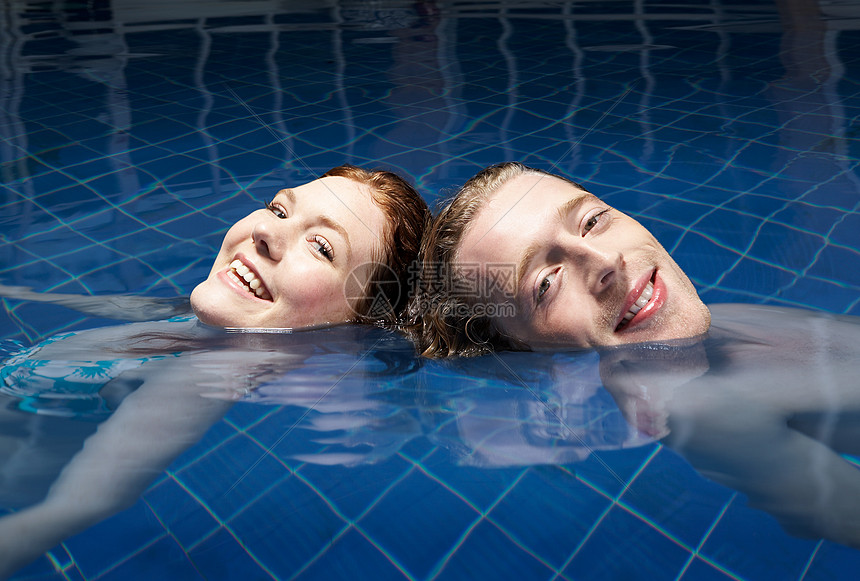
(188, 527)
(117, 162)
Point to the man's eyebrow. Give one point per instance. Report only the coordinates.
(565, 210)
(523, 265)
(573, 204)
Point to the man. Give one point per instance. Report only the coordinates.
(523, 259)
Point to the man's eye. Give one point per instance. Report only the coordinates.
(593, 221)
(545, 284)
(277, 210)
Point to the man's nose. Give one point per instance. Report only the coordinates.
(604, 265)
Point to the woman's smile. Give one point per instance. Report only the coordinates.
(244, 275)
(286, 264)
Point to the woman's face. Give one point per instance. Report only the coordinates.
(287, 265)
(585, 274)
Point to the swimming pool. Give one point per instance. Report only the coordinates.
(134, 133)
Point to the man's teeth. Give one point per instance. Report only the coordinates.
(640, 302)
(243, 274)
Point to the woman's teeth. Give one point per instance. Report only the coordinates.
(640, 302)
(244, 275)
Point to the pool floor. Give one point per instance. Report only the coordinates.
(132, 134)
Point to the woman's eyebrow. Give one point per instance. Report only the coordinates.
(330, 222)
(325, 220)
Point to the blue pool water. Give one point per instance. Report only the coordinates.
(134, 133)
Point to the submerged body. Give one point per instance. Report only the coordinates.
(765, 403)
(72, 458)
(320, 254)
(154, 396)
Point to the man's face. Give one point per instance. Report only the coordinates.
(587, 275)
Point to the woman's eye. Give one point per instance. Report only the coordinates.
(593, 221)
(277, 210)
(544, 285)
(323, 247)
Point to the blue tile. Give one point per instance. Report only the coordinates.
(183, 515)
(548, 513)
(351, 556)
(700, 570)
(776, 554)
(478, 486)
(752, 273)
(355, 490)
(232, 476)
(610, 471)
(222, 557)
(292, 506)
(826, 295)
(113, 541)
(488, 553)
(673, 495)
(418, 522)
(833, 561)
(626, 547)
(831, 266)
(846, 231)
(788, 247)
(704, 259)
(42, 569)
(161, 560)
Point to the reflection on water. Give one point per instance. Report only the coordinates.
(155, 389)
(765, 404)
(134, 133)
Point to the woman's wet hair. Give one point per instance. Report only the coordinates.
(442, 320)
(384, 298)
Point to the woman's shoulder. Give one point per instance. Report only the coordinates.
(99, 342)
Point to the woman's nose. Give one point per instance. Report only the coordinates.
(268, 239)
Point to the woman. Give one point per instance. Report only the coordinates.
(331, 251)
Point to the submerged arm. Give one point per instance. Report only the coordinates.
(810, 489)
(151, 427)
(121, 307)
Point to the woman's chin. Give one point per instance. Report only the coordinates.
(207, 318)
(206, 309)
